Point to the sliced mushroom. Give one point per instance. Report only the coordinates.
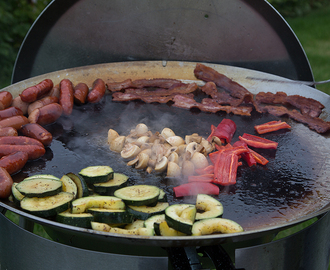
(143, 139)
(161, 165)
(188, 168)
(141, 129)
(175, 140)
(193, 138)
(117, 144)
(112, 134)
(199, 160)
(143, 161)
(167, 132)
(133, 161)
(209, 147)
(173, 170)
(173, 157)
(216, 140)
(130, 151)
(192, 147)
(170, 151)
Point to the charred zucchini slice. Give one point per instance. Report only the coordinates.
(110, 215)
(164, 230)
(69, 185)
(17, 196)
(162, 196)
(47, 206)
(107, 228)
(138, 195)
(144, 212)
(149, 223)
(108, 188)
(208, 207)
(181, 217)
(82, 188)
(39, 187)
(82, 220)
(96, 174)
(139, 223)
(81, 205)
(215, 225)
(50, 176)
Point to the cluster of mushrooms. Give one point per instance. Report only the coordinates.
(162, 151)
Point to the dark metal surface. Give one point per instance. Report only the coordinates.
(292, 188)
(243, 33)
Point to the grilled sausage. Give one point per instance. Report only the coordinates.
(97, 92)
(41, 102)
(80, 93)
(66, 96)
(55, 92)
(18, 103)
(33, 93)
(33, 151)
(13, 163)
(5, 183)
(10, 111)
(46, 115)
(37, 132)
(15, 122)
(8, 131)
(6, 99)
(19, 140)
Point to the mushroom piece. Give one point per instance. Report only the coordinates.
(141, 129)
(173, 170)
(167, 132)
(143, 139)
(193, 138)
(188, 168)
(130, 151)
(173, 157)
(199, 160)
(112, 134)
(175, 140)
(117, 144)
(192, 147)
(208, 147)
(161, 165)
(143, 159)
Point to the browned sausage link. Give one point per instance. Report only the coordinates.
(6, 99)
(15, 122)
(8, 131)
(80, 93)
(37, 132)
(55, 92)
(33, 93)
(97, 92)
(66, 96)
(5, 183)
(18, 103)
(13, 163)
(19, 140)
(33, 151)
(46, 115)
(42, 102)
(10, 111)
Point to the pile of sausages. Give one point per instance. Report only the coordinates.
(22, 135)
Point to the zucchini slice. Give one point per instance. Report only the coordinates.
(69, 185)
(107, 228)
(215, 225)
(108, 188)
(97, 174)
(47, 206)
(164, 230)
(110, 215)
(82, 188)
(208, 207)
(181, 217)
(50, 176)
(139, 223)
(81, 205)
(17, 196)
(82, 220)
(144, 212)
(138, 195)
(162, 196)
(149, 223)
(39, 187)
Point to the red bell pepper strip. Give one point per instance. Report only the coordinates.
(271, 126)
(224, 131)
(258, 142)
(248, 157)
(201, 178)
(259, 158)
(207, 170)
(195, 188)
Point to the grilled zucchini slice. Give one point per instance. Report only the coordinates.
(82, 188)
(47, 206)
(42, 176)
(138, 195)
(81, 205)
(82, 220)
(17, 196)
(162, 196)
(144, 212)
(164, 230)
(181, 217)
(107, 228)
(208, 207)
(96, 174)
(139, 223)
(149, 223)
(215, 225)
(69, 185)
(111, 215)
(39, 187)
(108, 188)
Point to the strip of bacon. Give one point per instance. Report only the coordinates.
(271, 126)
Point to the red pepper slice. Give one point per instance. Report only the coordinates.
(248, 157)
(259, 158)
(207, 170)
(224, 131)
(258, 142)
(271, 126)
(201, 178)
(195, 188)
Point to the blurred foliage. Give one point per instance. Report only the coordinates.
(16, 18)
(295, 8)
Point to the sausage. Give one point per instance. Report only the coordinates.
(13, 163)
(33, 151)
(97, 92)
(5, 183)
(66, 96)
(6, 99)
(10, 111)
(80, 93)
(37, 132)
(46, 115)
(15, 122)
(41, 102)
(19, 140)
(18, 103)
(8, 131)
(55, 92)
(33, 93)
